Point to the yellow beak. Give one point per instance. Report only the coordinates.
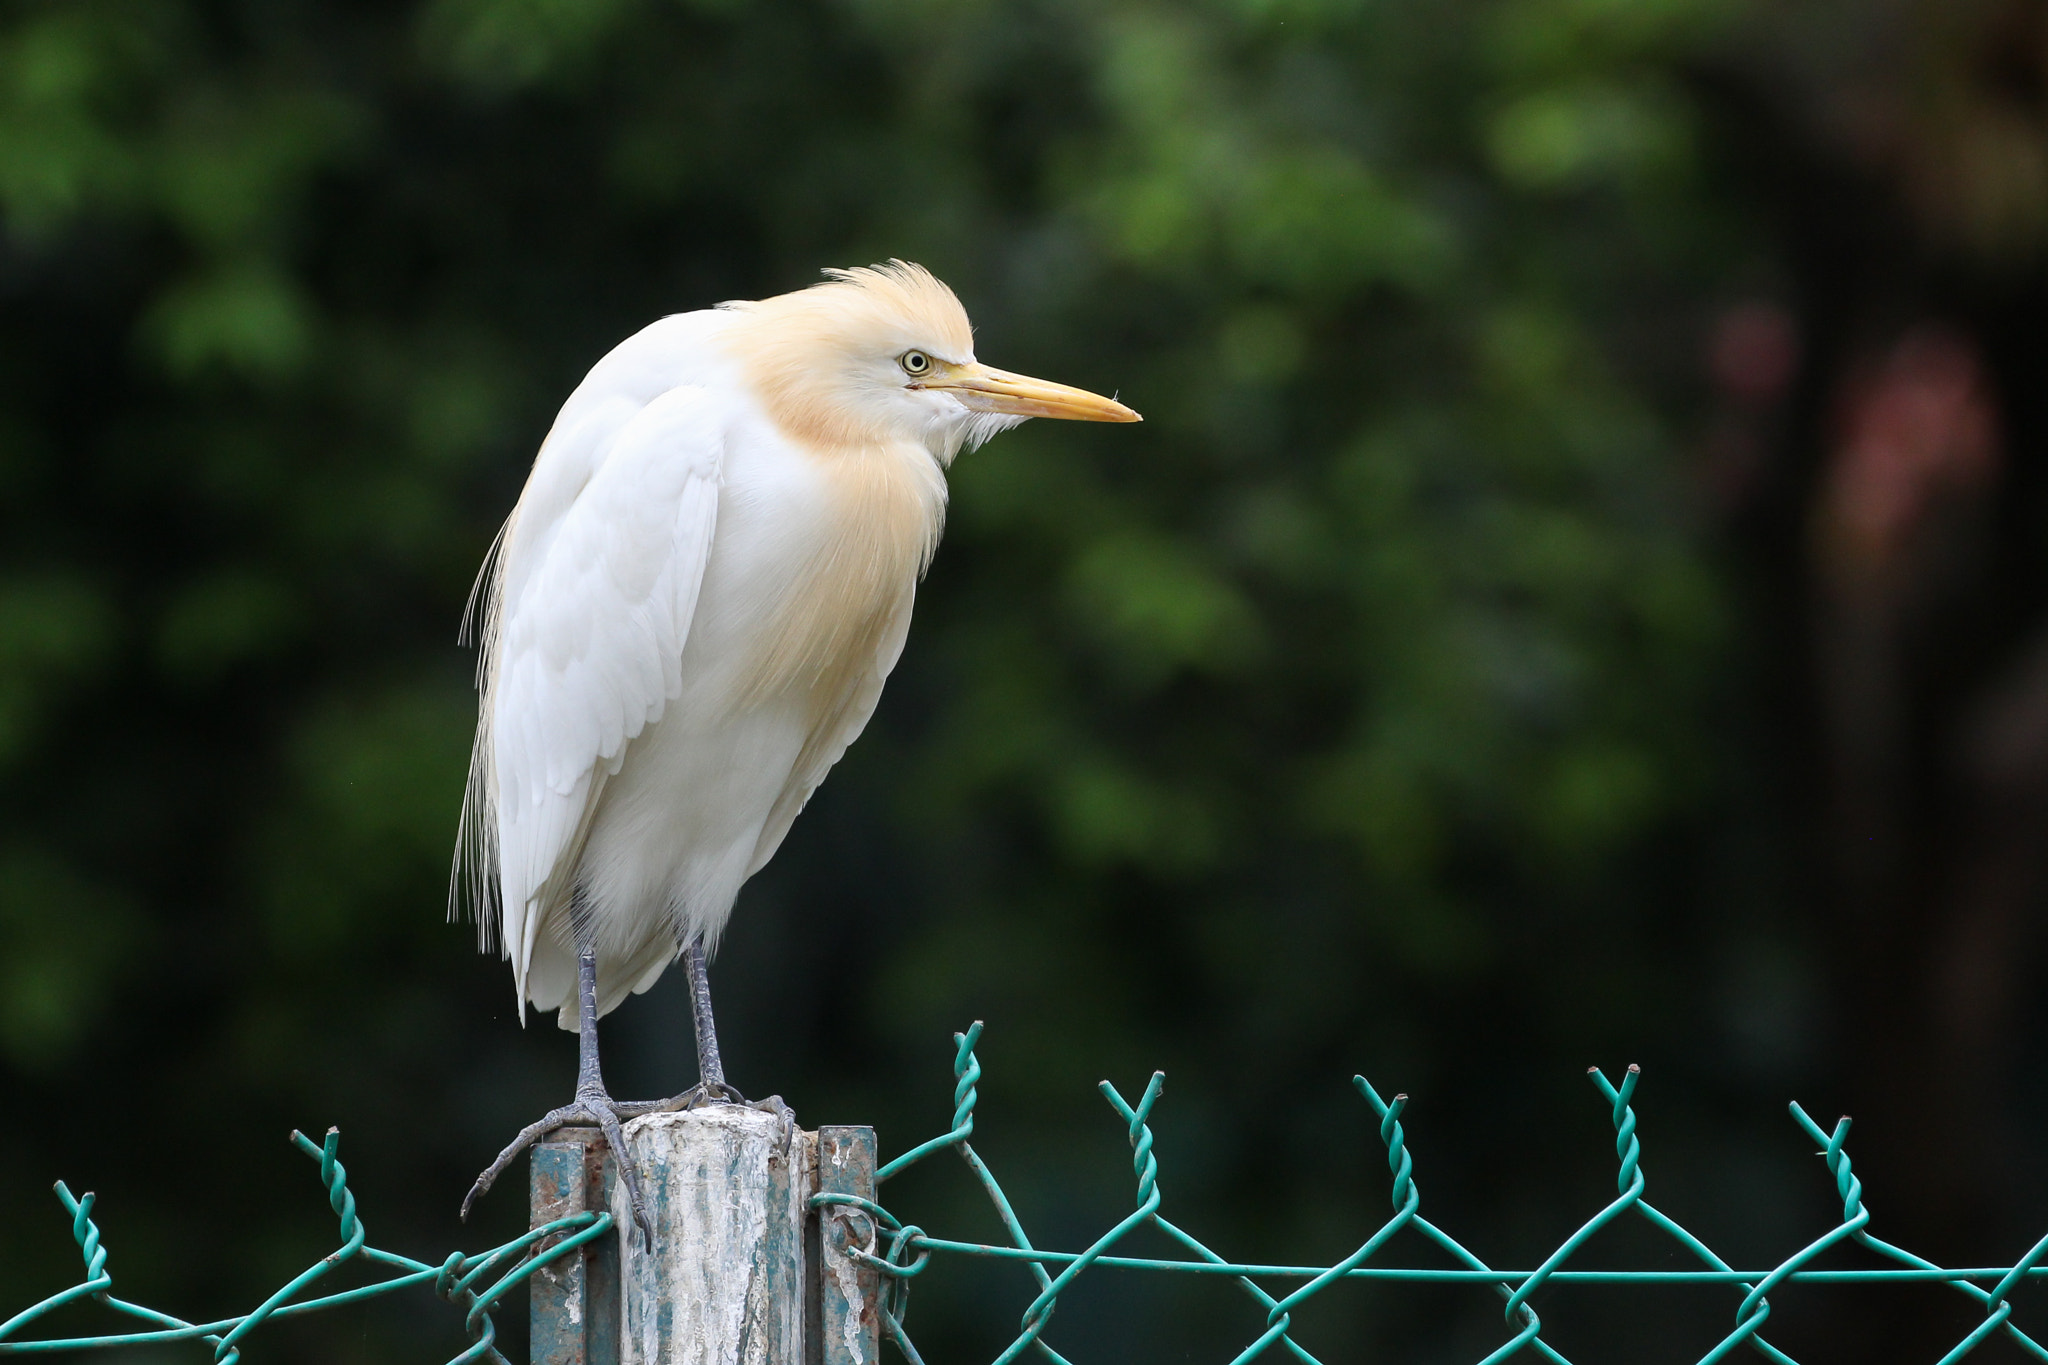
(987, 389)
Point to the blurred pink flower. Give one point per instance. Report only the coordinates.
(1918, 426)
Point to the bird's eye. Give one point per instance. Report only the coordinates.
(915, 363)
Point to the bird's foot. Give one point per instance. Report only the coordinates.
(589, 1107)
(596, 1107)
(698, 1095)
(718, 1092)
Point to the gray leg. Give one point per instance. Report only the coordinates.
(591, 1105)
(710, 1066)
(589, 1079)
(711, 1085)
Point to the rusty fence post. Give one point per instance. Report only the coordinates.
(574, 1302)
(842, 1315)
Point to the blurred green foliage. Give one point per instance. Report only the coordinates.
(1362, 709)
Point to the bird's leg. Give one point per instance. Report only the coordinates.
(711, 1083)
(590, 1092)
(710, 1066)
(591, 1105)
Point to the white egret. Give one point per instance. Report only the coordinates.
(688, 618)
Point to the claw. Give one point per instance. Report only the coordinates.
(599, 1109)
(774, 1105)
(718, 1092)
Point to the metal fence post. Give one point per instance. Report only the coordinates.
(842, 1316)
(575, 1301)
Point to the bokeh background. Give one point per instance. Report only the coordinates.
(1580, 596)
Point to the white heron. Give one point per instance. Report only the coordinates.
(687, 619)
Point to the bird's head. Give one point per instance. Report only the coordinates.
(882, 354)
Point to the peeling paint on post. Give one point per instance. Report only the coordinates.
(574, 1301)
(842, 1299)
(727, 1190)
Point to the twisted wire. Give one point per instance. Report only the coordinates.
(1855, 1217)
(1146, 1168)
(1625, 1144)
(1399, 1164)
(459, 1279)
(1847, 1184)
(1143, 1164)
(1631, 1181)
(335, 1178)
(1402, 1166)
(966, 1071)
(87, 1234)
(1279, 1317)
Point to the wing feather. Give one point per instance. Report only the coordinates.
(597, 585)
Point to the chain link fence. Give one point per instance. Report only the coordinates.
(899, 1251)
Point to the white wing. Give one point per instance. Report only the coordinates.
(599, 575)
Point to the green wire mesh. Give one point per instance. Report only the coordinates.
(460, 1280)
(900, 1251)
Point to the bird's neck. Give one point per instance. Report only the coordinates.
(881, 511)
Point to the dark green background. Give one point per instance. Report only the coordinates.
(1458, 678)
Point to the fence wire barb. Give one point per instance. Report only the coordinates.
(901, 1251)
(459, 1280)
